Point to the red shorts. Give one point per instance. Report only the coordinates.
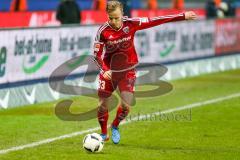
(124, 81)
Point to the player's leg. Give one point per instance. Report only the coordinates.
(103, 116)
(106, 87)
(122, 112)
(123, 108)
(126, 87)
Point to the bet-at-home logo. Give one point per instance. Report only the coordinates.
(165, 40)
(3, 61)
(34, 53)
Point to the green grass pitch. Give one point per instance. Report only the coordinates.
(207, 132)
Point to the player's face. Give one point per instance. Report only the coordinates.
(115, 18)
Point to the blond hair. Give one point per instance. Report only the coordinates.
(113, 5)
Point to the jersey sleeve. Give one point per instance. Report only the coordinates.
(99, 49)
(144, 23)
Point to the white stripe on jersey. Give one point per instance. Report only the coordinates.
(98, 36)
(100, 31)
(168, 16)
(136, 19)
(132, 19)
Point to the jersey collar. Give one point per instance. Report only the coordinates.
(115, 29)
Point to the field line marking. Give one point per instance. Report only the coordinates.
(49, 140)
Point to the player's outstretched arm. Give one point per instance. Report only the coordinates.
(155, 21)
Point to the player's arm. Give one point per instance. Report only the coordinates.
(155, 21)
(98, 51)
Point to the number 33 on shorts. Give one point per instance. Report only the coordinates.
(102, 84)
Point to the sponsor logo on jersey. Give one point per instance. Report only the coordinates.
(97, 47)
(120, 40)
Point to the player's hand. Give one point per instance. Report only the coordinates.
(190, 15)
(107, 75)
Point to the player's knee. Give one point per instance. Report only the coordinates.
(103, 105)
(126, 106)
(102, 108)
(126, 103)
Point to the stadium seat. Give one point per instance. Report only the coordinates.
(85, 4)
(136, 4)
(42, 5)
(5, 5)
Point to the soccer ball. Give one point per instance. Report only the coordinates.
(93, 142)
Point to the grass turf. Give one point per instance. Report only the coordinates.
(212, 132)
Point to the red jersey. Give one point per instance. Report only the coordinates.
(114, 49)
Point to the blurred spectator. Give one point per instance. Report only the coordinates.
(68, 12)
(211, 9)
(231, 8)
(226, 9)
(18, 5)
(178, 4)
(152, 4)
(217, 2)
(126, 7)
(100, 5)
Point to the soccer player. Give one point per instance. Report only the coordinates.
(116, 56)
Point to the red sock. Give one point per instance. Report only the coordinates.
(121, 115)
(102, 119)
